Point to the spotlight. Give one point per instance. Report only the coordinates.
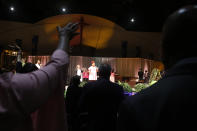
(12, 9)
(64, 10)
(132, 20)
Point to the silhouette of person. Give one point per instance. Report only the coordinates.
(73, 94)
(170, 104)
(140, 74)
(101, 99)
(22, 94)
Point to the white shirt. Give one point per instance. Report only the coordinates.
(79, 73)
(92, 73)
(38, 66)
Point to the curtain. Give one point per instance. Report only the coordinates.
(43, 59)
(124, 67)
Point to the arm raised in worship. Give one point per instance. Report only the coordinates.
(31, 90)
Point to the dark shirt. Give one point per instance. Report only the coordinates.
(101, 100)
(73, 94)
(169, 104)
(21, 94)
(140, 74)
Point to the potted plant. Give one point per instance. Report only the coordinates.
(126, 87)
(82, 84)
(140, 86)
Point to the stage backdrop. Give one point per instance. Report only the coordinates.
(125, 67)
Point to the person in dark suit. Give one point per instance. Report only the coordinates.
(140, 74)
(170, 104)
(71, 103)
(101, 100)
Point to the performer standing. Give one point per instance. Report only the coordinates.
(140, 74)
(85, 74)
(38, 65)
(112, 76)
(78, 71)
(93, 71)
(146, 76)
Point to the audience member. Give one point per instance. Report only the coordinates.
(101, 99)
(73, 94)
(22, 94)
(19, 67)
(12, 66)
(22, 66)
(170, 104)
(29, 67)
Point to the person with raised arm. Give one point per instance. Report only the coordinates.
(41, 90)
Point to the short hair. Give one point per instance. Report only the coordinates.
(104, 70)
(29, 67)
(75, 80)
(179, 36)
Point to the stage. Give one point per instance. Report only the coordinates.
(126, 69)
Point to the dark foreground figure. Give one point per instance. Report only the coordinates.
(41, 91)
(101, 100)
(170, 104)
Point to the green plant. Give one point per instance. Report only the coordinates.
(65, 93)
(140, 86)
(155, 76)
(82, 84)
(152, 82)
(126, 86)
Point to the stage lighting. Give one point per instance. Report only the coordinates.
(64, 10)
(132, 20)
(12, 9)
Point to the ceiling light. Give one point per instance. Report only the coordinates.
(12, 9)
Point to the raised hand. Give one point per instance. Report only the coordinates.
(66, 34)
(68, 30)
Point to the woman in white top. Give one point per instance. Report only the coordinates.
(78, 70)
(38, 65)
(93, 71)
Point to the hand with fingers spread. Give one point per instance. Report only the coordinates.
(68, 30)
(65, 34)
